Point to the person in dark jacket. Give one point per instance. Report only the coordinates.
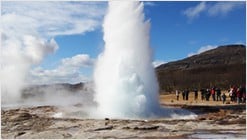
(239, 96)
(183, 94)
(207, 94)
(202, 94)
(196, 93)
(224, 98)
(177, 94)
(218, 93)
(243, 91)
(187, 94)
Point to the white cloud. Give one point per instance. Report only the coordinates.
(36, 49)
(28, 29)
(222, 8)
(67, 72)
(157, 63)
(194, 12)
(49, 19)
(78, 61)
(212, 9)
(203, 49)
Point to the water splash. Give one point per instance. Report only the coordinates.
(125, 82)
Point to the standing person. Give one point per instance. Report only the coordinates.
(183, 94)
(224, 98)
(187, 94)
(207, 94)
(230, 94)
(196, 93)
(243, 94)
(239, 96)
(244, 98)
(213, 93)
(218, 93)
(177, 94)
(234, 93)
(202, 94)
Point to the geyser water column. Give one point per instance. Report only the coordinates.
(125, 81)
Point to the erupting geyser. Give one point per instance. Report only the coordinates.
(125, 82)
(126, 85)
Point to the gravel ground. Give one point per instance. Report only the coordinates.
(45, 122)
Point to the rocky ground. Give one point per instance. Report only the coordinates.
(45, 122)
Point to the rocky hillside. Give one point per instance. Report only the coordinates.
(222, 67)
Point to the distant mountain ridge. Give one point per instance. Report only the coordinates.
(222, 67)
(33, 90)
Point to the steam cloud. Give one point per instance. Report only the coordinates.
(126, 85)
(27, 29)
(125, 82)
(17, 57)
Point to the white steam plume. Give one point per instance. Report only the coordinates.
(125, 82)
(17, 57)
(26, 30)
(126, 85)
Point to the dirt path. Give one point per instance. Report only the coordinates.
(172, 100)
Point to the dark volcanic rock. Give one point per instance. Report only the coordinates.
(146, 127)
(222, 67)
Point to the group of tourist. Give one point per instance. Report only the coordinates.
(236, 94)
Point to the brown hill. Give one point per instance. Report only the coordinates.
(221, 67)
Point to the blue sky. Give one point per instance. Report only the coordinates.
(175, 35)
(178, 30)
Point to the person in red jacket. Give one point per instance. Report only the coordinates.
(213, 93)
